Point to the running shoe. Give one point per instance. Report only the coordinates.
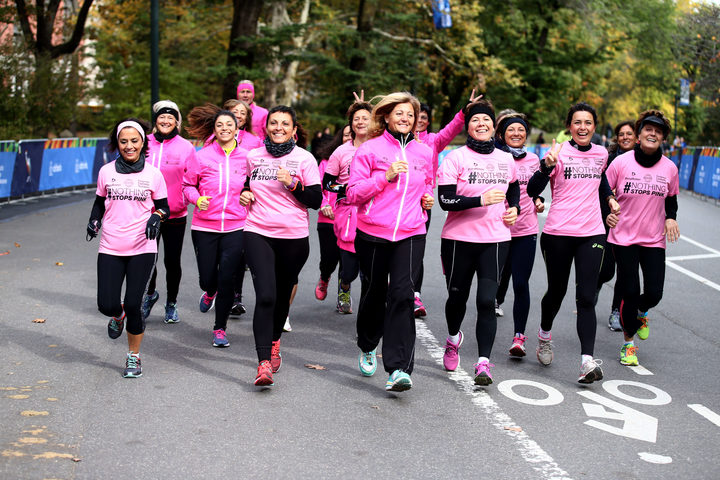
(544, 351)
(483, 376)
(264, 376)
(321, 289)
(287, 327)
(398, 381)
(498, 310)
(148, 303)
(420, 310)
(206, 302)
(344, 301)
(518, 345)
(644, 330)
(590, 371)
(614, 321)
(116, 325)
(220, 338)
(451, 357)
(237, 308)
(132, 366)
(628, 355)
(367, 361)
(275, 357)
(171, 313)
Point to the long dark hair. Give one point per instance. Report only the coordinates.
(300, 134)
(202, 120)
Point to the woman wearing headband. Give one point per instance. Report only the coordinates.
(170, 153)
(246, 93)
(130, 205)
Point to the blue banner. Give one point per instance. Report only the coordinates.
(28, 163)
(703, 173)
(101, 155)
(715, 177)
(686, 167)
(8, 154)
(66, 164)
(441, 14)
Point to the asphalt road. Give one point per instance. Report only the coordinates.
(66, 412)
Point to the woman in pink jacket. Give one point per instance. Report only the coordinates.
(283, 182)
(391, 183)
(170, 153)
(213, 183)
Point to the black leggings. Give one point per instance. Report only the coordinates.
(240, 275)
(386, 300)
(218, 259)
(461, 262)
(329, 250)
(135, 271)
(652, 262)
(559, 252)
(349, 267)
(172, 233)
(419, 277)
(275, 264)
(607, 271)
(519, 266)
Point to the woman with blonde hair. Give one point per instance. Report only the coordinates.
(391, 183)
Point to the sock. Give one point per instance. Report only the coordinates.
(519, 335)
(454, 338)
(417, 294)
(483, 359)
(543, 335)
(344, 289)
(630, 343)
(585, 358)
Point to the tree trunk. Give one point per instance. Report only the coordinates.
(365, 18)
(242, 49)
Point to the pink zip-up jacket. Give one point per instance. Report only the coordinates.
(214, 174)
(390, 210)
(259, 119)
(438, 141)
(171, 158)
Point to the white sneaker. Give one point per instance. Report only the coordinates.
(287, 327)
(590, 371)
(498, 310)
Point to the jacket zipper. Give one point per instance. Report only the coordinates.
(402, 198)
(227, 187)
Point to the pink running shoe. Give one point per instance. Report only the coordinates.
(451, 358)
(275, 356)
(420, 310)
(321, 289)
(518, 346)
(482, 373)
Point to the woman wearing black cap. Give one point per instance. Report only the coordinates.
(646, 184)
(511, 136)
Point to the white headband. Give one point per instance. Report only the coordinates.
(131, 124)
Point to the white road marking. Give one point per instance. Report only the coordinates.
(654, 458)
(698, 244)
(554, 397)
(530, 451)
(693, 275)
(635, 424)
(692, 257)
(640, 370)
(613, 388)
(705, 412)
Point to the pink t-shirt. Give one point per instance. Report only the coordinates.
(340, 160)
(475, 174)
(276, 212)
(527, 222)
(641, 194)
(575, 182)
(328, 197)
(128, 205)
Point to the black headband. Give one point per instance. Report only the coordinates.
(479, 108)
(507, 121)
(169, 110)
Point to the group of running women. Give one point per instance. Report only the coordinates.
(374, 186)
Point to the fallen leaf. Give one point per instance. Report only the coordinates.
(5, 253)
(75, 459)
(39, 320)
(313, 366)
(33, 413)
(514, 429)
(375, 407)
(17, 245)
(59, 264)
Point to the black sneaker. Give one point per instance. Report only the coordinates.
(116, 325)
(132, 366)
(148, 303)
(238, 308)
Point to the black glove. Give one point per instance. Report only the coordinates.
(152, 229)
(93, 227)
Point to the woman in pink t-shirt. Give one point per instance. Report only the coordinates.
(329, 250)
(510, 137)
(283, 182)
(130, 204)
(213, 182)
(170, 153)
(646, 184)
(473, 183)
(335, 180)
(573, 232)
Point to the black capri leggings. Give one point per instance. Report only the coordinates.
(519, 266)
(275, 264)
(559, 252)
(172, 233)
(218, 257)
(652, 262)
(329, 250)
(461, 262)
(135, 271)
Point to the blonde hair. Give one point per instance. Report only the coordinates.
(232, 103)
(387, 104)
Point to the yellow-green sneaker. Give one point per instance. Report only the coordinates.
(644, 331)
(628, 355)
